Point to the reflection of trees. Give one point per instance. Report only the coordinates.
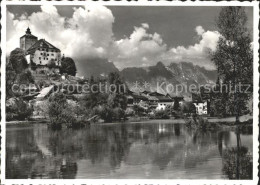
(177, 129)
(19, 152)
(68, 170)
(223, 138)
(230, 165)
(237, 161)
(41, 153)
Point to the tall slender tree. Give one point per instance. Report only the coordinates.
(234, 58)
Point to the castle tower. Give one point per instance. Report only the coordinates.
(27, 40)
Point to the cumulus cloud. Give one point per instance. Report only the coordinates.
(197, 53)
(88, 34)
(144, 49)
(139, 49)
(199, 30)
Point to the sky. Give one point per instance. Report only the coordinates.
(127, 36)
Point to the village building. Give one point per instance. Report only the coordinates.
(201, 103)
(201, 108)
(163, 101)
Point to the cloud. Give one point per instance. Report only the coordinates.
(139, 49)
(198, 53)
(144, 49)
(199, 30)
(88, 34)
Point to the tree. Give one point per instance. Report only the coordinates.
(18, 61)
(17, 109)
(51, 63)
(16, 71)
(108, 105)
(68, 66)
(116, 83)
(234, 58)
(25, 77)
(10, 79)
(59, 110)
(188, 107)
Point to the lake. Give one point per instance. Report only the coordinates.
(120, 150)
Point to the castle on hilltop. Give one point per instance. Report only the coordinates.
(42, 56)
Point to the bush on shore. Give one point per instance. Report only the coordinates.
(17, 109)
(59, 111)
(201, 123)
(162, 114)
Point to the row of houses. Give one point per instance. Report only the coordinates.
(158, 101)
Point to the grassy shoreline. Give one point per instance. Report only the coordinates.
(164, 121)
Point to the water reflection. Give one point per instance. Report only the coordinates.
(118, 151)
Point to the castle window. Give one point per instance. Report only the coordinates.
(41, 53)
(47, 54)
(44, 59)
(39, 58)
(40, 62)
(47, 58)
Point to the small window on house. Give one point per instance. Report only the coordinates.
(47, 59)
(40, 62)
(39, 58)
(47, 54)
(52, 54)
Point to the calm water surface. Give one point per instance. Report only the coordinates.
(125, 150)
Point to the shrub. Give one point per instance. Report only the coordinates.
(118, 114)
(59, 111)
(162, 114)
(104, 112)
(17, 109)
(129, 112)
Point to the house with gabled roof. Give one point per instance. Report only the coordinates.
(40, 54)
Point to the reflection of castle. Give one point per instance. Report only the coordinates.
(41, 54)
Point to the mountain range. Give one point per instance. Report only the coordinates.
(183, 73)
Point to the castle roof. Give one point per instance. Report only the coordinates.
(42, 43)
(28, 34)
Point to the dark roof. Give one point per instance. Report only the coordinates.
(146, 92)
(136, 96)
(42, 43)
(177, 97)
(164, 99)
(29, 34)
(155, 94)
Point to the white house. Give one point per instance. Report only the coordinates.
(201, 108)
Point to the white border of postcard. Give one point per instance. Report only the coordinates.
(255, 6)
